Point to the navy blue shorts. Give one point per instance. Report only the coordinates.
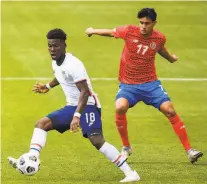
(151, 93)
(90, 120)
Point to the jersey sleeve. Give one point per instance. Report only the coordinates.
(78, 72)
(163, 41)
(120, 32)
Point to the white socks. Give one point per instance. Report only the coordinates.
(38, 141)
(113, 154)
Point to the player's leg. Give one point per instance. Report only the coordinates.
(155, 95)
(39, 135)
(91, 126)
(58, 120)
(126, 97)
(97, 140)
(122, 106)
(168, 110)
(38, 139)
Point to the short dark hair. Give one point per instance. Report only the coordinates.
(57, 34)
(147, 12)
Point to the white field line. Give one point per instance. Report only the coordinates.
(96, 79)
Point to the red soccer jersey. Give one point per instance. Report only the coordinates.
(138, 56)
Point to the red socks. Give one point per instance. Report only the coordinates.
(121, 124)
(178, 126)
(180, 130)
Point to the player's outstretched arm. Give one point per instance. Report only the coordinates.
(101, 32)
(170, 57)
(44, 88)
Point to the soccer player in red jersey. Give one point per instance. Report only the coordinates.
(138, 78)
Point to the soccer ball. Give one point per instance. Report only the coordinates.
(28, 164)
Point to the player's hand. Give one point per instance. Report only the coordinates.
(89, 31)
(174, 58)
(75, 124)
(40, 88)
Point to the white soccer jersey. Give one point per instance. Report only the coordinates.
(70, 72)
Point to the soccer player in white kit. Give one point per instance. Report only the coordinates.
(82, 110)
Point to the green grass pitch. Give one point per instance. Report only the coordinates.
(158, 156)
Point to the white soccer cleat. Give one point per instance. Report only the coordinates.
(194, 155)
(132, 176)
(126, 151)
(13, 162)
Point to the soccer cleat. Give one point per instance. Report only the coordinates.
(127, 151)
(131, 176)
(12, 162)
(194, 155)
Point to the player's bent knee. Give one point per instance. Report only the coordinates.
(122, 106)
(171, 113)
(97, 141)
(167, 109)
(44, 123)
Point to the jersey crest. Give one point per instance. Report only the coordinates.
(153, 45)
(65, 76)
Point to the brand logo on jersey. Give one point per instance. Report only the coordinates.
(153, 45)
(135, 41)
